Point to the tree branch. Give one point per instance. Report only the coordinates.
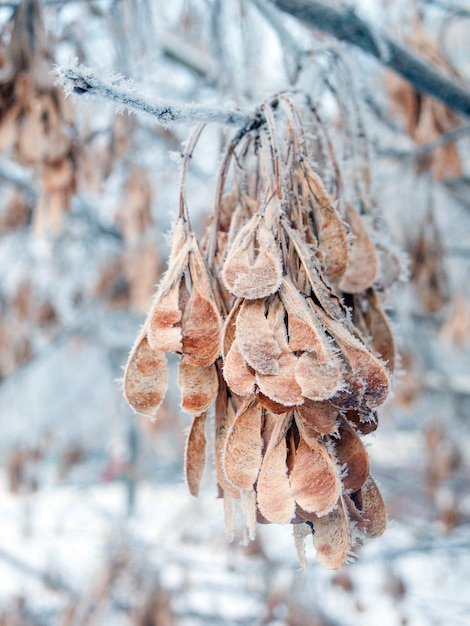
(80, 79)
(346, 25)
(427, 148)
(448, 7)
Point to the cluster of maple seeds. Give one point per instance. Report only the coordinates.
(283, 331)
(36, 119)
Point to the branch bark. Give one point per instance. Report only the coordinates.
(80, 80)
(346, 25)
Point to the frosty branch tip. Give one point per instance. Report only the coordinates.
(80, 79)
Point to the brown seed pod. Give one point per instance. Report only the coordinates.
(305, 515)
(331, 538)
(198, 386)
(165, 315)
(370, 502)
(314, 479)
(249, 272)
(283, 387)
(378, 327)
(270, 405)
(274, 495)
(164, 323)
(243, 446)
(306, 432)
(230, 327)
(365, 367)
(363, 266)
(352, 396)
(305, 331)
(224, 417)
(202, 328)
(239, 377)
(321, 416)
(364, 422)
(352, 511)
(331, 232)
(324, 293)
(276, 316)
(195, 454)
(202, 324)
(255, 338)
(350, 452)
(318, 381)
(145, 377)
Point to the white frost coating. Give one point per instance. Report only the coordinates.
(79, 79)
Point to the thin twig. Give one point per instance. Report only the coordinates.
(450, 137)
(255, 123)
(187, 156)
(448, 7)
(19, 176)
(345, 24)
(427, 148)
(80, 80)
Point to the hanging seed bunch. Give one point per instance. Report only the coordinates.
(36, 121)
(425, 118)
(279, 326)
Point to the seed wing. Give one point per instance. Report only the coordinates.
(195, 453)
(372, 508)
(274, 495)
(321, 416)
(242, 451)
(331, 231)
(363, 266)
(255, 338)
(252, 271)
(314, 479)
(331, 538)
(198, 386)
(365, 367)
(145, 377)
(317, 380)
(350, 452)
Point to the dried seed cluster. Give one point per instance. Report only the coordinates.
(36, 120)
(280, 324)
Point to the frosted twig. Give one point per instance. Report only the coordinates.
(448, 7)
(345, 24)
(450, 137)
(80, 80)
(427, 148)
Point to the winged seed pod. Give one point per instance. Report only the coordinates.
(145, 377)
(253, 267)
(195, 453)
(292, 347)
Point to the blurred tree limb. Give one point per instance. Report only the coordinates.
(344, 23)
